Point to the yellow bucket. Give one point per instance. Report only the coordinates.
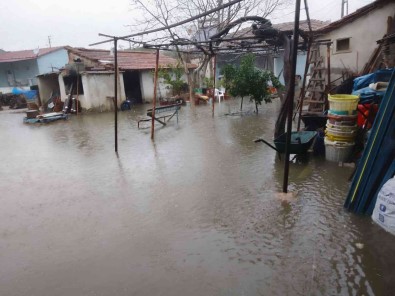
(340, 137)
(343, 103)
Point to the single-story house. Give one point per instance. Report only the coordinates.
(354, 36)
(94, 71)
(20, 68)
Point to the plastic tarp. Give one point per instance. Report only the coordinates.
(364, 81)
(367, 95)
(29, 94)
(377, 162)
(361, 86)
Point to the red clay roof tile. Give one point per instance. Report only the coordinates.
(127, 60)
(21, 55)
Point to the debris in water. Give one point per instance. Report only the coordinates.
(289, 196)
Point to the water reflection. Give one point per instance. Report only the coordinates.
(196, 211)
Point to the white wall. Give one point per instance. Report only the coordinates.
(147, 86)
(47, 85)
(62, 89)
(97, 87)
(363, 34)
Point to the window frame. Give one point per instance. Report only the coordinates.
(343, 50)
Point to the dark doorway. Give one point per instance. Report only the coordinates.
(70, 83)
(131, 80)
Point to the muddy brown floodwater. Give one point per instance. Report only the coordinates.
(196, 212)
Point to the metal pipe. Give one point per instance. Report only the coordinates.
(291, 94)
(154, 100)
(306, 6)
(76, 101)
(116, 92)
(328, 58)
(215, 69)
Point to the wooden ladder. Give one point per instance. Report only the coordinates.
(315, 93)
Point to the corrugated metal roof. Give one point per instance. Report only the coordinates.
(127, 60)
(22, 55)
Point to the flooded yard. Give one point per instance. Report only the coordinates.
(195, 212)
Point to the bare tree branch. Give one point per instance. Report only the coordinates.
(161, 13)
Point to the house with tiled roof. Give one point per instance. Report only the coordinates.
(89, 76)
(354, 37)
(20, 68)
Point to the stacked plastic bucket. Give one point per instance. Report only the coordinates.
(341, 127)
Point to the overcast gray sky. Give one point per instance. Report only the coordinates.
(26, 24)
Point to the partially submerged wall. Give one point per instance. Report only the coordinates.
(98, 87)
(147, 86)
(48, 85)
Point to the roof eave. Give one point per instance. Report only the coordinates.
(352, 16)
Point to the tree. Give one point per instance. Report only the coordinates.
(159, 13)
(235, 78)
(248, 80)
(172, 76)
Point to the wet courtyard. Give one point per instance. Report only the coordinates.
(195, 212)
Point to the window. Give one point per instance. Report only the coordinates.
(343, 44)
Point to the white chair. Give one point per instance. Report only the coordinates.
(219, 94)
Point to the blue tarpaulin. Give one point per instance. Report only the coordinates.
(377, 164)
(383, 75)
(29, 94)
(366, 94)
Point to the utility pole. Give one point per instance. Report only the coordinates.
(344, 3)
(49, 41)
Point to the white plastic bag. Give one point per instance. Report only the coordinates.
(384, 210)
